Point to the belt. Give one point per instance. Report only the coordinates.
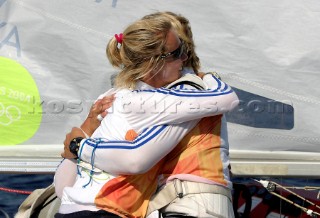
(179, 189)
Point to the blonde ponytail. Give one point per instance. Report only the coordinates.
(139, 54)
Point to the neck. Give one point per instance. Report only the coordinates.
(153, 81)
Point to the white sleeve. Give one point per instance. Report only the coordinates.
(174, 106)
(138, 156)
(65, 176)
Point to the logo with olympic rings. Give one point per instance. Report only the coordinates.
(18, 94)
(11, 112)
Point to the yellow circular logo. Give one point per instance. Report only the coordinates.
(20, 108)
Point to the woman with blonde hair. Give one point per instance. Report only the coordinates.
(182, 25)
(149, 55)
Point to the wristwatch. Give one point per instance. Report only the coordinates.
(75, 145)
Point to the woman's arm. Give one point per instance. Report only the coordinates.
(174, 106)
(138, 156)
(65, 175)
(123, 157)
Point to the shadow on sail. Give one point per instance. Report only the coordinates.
(261, 112)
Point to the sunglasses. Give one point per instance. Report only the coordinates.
(176, 54)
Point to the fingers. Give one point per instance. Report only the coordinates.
(96, 107)
(107, 102)
(108, 98)
(101, 105)
(75, 132)
(103, 114)
(67, 155)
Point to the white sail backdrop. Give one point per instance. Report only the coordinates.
(53, 65)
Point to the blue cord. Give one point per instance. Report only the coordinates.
(92, 161)
(78, 160)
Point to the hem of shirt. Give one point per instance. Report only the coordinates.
(193, 178)
(71, 208)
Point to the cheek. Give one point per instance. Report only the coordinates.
(173, 66)
(172, 72)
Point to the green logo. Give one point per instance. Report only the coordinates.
(20, 108)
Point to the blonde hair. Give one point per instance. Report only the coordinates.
(182, 25)
(139, 53)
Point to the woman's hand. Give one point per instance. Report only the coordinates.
(96, 114)
(75, 132)
(89, 125)
(201, 74)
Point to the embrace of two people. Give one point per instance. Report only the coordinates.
(142, 159)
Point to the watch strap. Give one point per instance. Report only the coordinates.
(75, 145)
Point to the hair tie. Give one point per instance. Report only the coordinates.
(119, 38)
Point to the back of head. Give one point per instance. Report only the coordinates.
(182, 25)
(139, 52)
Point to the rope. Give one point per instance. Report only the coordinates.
(271, 187)
(92, 161)
(15, 191)
(307, 188)
(299, 196)
(304, 209)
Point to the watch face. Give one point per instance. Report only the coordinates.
(74, 147)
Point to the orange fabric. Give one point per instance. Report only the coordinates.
(131, 135)
(197, 154)
(128, 196)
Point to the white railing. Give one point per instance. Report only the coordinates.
(45, 159)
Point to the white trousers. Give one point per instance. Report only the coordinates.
(203, 205)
